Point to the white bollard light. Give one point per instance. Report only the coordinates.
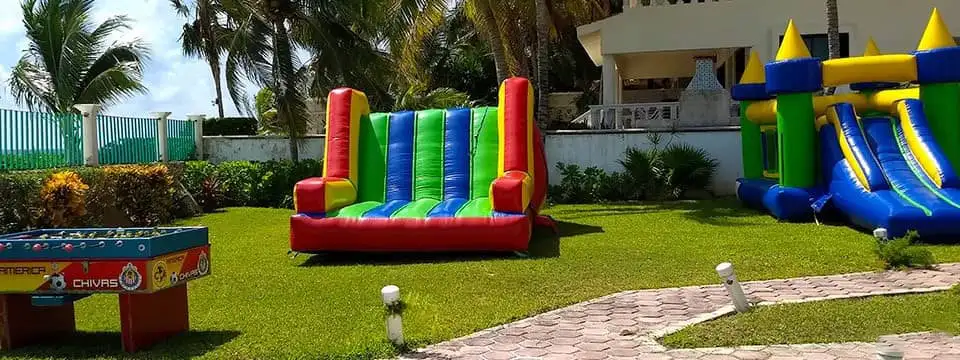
(391, 297)
(725, 270)
(888, 352)
(880, 233)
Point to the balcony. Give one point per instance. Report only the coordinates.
(658, 116)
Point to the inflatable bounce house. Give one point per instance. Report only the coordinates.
(884, 156)
(430, 180)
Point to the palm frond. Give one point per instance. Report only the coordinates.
(32, 87)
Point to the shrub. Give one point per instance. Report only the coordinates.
(128, 195)
(642, 171)
(63, 198)
(903, 253)
(230, 126)
(243, 183)
(144, 193)
(237, 179)
(684, 167)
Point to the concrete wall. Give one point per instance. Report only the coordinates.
(604, 148)
(585, 148)
(895, 24)
(258, 148)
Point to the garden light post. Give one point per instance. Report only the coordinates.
(880, 233)
(161, 117)
(725, 270)
(391, 299)
(198, 133)
(89, 112)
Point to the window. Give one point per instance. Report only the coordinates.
(819, 48)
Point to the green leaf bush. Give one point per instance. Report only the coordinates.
(903, 253)
(245, 183)
(648, 174)
(128, 195)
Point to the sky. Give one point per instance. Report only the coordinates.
(176, 83)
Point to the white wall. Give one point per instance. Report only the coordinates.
(584, 148)
(895, 24)
(604, 148)
(258, 148)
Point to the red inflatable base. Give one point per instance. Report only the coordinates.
(310, 235)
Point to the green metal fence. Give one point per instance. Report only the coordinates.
(181, 143)
(30, 140)
(124, 140)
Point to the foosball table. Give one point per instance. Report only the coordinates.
(43, 272)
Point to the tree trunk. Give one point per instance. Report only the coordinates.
(215, 71)
(490, 28)
(282, 63)
(543, 65)
(833, 34)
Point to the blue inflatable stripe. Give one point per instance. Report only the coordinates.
(386, 210)
(914, 164)
(917, 120)
(400, 157)
(855, 138)
(748, 92)
(447, 208)
(456, 157)
(902, 180)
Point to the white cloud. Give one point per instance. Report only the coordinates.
(176, 83)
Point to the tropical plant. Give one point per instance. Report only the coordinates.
(903, 253)
(440, 98)
(684, 167)
(204, 36)
(833, 34)
(69, 61)
(543, 63)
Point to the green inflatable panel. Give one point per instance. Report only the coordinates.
(484, 144)
(428, 155)
(373, 157)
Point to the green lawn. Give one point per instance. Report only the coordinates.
(827, 321)
(260, 304)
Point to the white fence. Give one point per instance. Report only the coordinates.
(600, 148)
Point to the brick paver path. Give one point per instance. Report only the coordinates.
(627, 324)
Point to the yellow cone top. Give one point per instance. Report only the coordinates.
(792, 46)
(936, 36)
(753, 73)
(872, 49)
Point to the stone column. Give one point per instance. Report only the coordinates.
(611, 89)
(198, 133)
(161, 117)
(91, 150)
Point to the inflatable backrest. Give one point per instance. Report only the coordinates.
(433, 154)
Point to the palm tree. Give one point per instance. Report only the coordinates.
(482, 13)
(203, 37)
(68, 60)
(833, 34)
(344, 39)
(543, 64)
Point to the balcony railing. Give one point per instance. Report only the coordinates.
(646, 3)
(663, 116)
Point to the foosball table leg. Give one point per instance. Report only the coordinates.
(146, 319)
(22, 323)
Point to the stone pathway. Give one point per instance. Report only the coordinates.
(627, 324)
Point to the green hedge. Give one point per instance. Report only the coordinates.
(245, 183)
(127, 195)
(230, 126)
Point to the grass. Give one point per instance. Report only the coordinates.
(258, 303)
(827, 321)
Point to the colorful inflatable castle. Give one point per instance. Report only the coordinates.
(430, 180)
(884, 156)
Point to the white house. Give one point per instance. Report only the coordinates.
(649, 53)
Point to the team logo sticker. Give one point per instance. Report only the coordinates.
(159, 274)
(130, 278)
(203, 265)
